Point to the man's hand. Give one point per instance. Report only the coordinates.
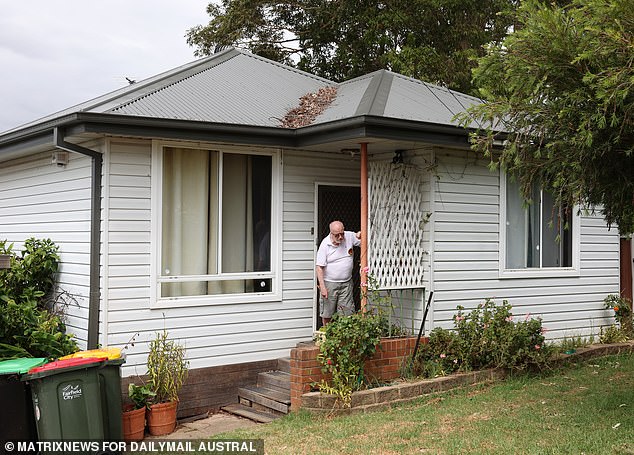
(358, 235)
(323, 291)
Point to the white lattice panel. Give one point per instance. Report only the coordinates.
(396, 223)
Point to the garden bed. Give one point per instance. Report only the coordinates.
(384, 366)
(382, 397)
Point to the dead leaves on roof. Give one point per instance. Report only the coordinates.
(310, 106)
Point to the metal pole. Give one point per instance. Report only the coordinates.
(364, 226)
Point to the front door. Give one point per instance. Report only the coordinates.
(341, 203)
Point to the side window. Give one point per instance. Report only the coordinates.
(215, 223)
(537, 235)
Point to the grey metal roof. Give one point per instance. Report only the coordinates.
(241, 96)
(244, 89)
(228, 87)
(393, 95)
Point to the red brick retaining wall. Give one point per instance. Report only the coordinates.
(383, 366)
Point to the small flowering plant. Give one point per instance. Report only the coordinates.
(491, 336)
(488, 336)
(622, 308)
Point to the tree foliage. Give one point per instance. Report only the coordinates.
(433, 40)
(562, 85)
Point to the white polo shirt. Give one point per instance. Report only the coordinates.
(337, 260)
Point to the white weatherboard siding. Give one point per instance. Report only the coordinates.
(41, 200)
(214, 334)
(466, 267)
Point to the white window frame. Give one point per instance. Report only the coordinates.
(537, 272)
(275, 274)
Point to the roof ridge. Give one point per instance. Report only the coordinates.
(375, 97)
(286, 67)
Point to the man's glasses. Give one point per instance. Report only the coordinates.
(341, 234)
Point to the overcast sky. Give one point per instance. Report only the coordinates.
(57, 53)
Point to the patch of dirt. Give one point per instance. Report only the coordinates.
(478, 417)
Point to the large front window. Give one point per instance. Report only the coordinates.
(216, 211)
(539, 234)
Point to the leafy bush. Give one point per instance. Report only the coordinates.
(35, 268)
(347, 343)
(622, 308)
(612, 334)
(27, 326)
(141, 395)
(440, 356)
(486, 337)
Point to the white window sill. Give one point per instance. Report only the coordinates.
(551, 272)
(207, 300)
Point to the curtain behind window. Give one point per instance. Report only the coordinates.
(191, 243)
(190, 200)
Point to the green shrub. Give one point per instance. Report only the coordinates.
(612, 334)
(347, 343)
(622, 308)
(486, 337)
(27, 325)
(440, 356)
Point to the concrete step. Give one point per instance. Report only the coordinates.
(284, 364)
(250, 413)
(277, 380)
(272, 399)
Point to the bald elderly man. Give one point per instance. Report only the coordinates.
(334, 271)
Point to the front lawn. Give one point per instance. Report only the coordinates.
(585, 408)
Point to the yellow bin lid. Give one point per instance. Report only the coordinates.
(109, 353)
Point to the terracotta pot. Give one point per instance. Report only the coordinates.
(161, 418)
(133, 424)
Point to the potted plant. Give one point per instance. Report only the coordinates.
(134, 414)
(167, 371)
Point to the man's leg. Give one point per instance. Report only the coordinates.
(345, 300)
(328, 306)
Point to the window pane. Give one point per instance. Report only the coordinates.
(246, 213)
(531, 242)
(189, 224)
(516, 227)
(533, 245)
(552, 248)
(191, 239)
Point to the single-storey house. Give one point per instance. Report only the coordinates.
(194, 201)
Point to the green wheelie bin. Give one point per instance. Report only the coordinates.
(110, 385)
(17, 422)
(67, 399)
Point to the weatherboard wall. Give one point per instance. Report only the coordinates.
(42, 200)
(467, 253)
(214, 334)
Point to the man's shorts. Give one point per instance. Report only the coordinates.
(340, 299)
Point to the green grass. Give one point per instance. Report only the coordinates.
(582, 409)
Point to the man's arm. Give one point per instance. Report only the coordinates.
(356, 240)
(320, 281)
